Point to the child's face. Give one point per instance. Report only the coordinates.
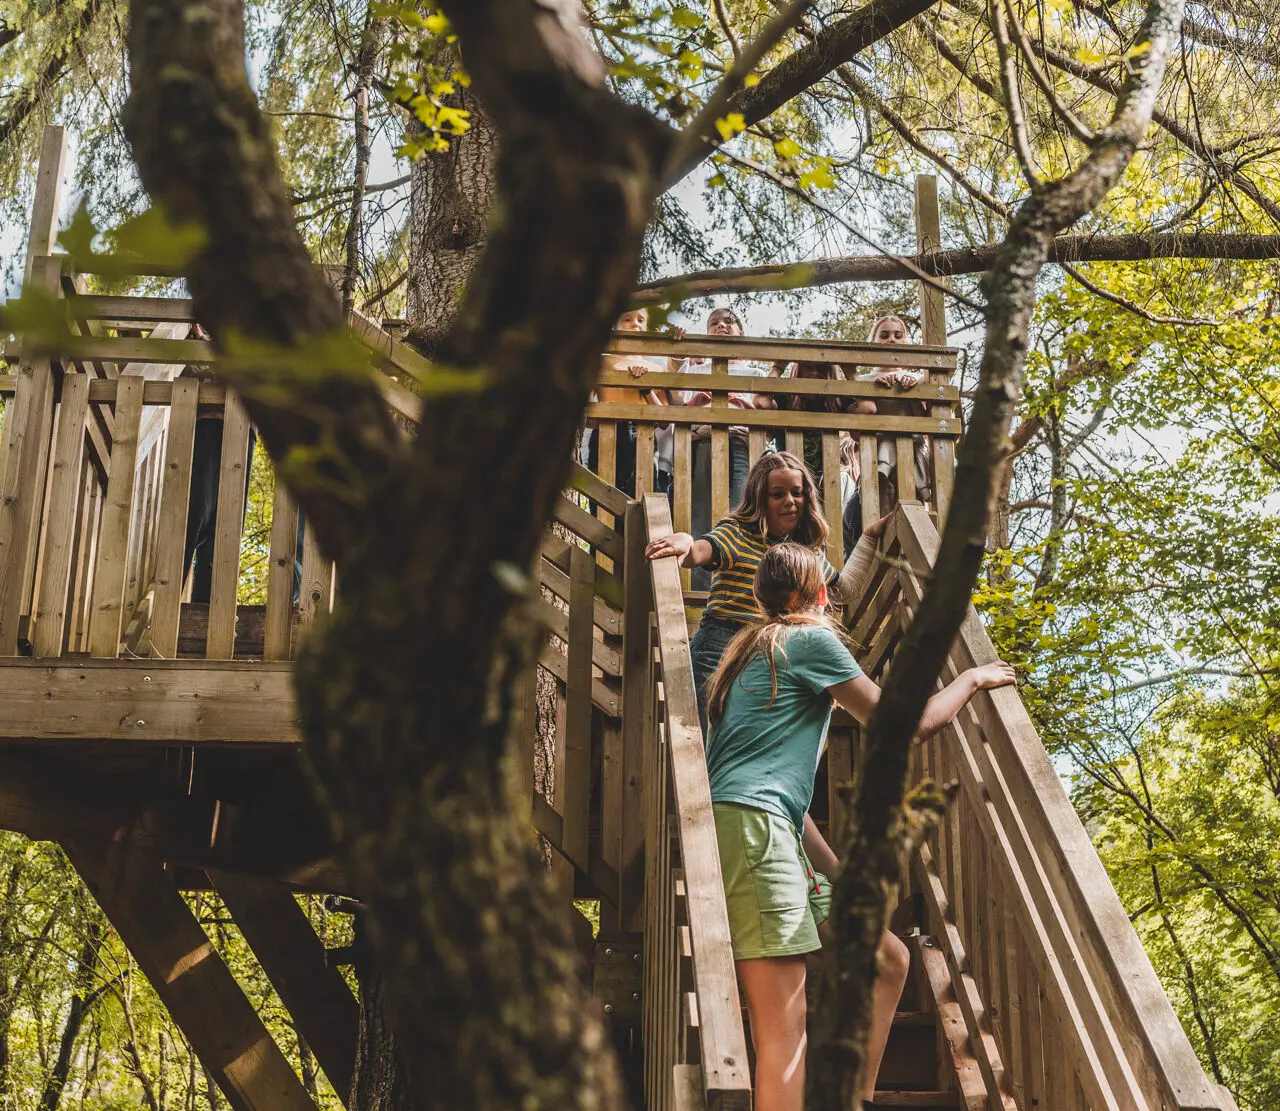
(890, 331)
(637, 320)
(722, 322)
(784, 501)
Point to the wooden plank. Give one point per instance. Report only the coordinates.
(117, 511)
(724, 1056)
(85, 559)
(927, 391)
(933, 318)
(88, 306)
(160, 702)
(284, 558)
(607, 619)
(47, 204)
(322, 1007)
(172, 524)
(578, 521)
(831, 503)
(768, 350)
(24, 455)
(133, 349)
(190, 978)
(233, 478)
(644, 458)
(555, 620)
(316, 597)
(66, 490)
(682, 486)
(213, 395)
(955, 1061)
(768, 418)
(905, 471)
(637, 720)
(585, 482)
(869, 480)
(719, 458)
(756, 439)
(577, 740)
(603, 698)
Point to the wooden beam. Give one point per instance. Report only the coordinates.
(48, 197)
(188, 975)
(150, 701)
(313, 991)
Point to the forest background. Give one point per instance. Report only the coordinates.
(1134, 569)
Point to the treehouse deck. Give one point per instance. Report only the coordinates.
(156, 740)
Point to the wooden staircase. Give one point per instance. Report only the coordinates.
(156, 740)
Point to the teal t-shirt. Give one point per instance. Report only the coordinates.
(767, 756)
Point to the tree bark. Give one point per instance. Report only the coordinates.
(405, 693)
(81, 1000)
(962, 260)
(451, 194)
(880, 817)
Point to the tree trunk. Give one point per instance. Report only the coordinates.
(451, 193)
(80, 1003)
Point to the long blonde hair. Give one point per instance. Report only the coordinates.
(871, 335)
(788, 587)
(812, 528)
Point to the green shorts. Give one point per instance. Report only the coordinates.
(776, 900)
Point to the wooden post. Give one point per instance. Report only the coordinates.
(188, 975)
(313, 990)
(284, 558)
(24, 457)
(577, 732)
(637, 717)
(933, 316)
(48, 199)
(233, 479)
(175, 500)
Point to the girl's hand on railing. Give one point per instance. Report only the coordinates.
(677, 544)
(907, 380)
(990, 676)
(875, 530)
(637, 370)
(676, 332)
(887, 378)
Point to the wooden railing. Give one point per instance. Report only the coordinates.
(786, 429)
(1063, 1009)
(694, 1045)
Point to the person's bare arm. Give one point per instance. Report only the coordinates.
(861, 564)
(817, 849)
(860, 696)
(691, 552)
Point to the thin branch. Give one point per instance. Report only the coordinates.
(794, 188)
(1073, 122)
(1011, 95)
(717, 104)
(1138, 310)
(1186, 673)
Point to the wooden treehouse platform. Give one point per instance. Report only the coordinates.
(156, 740)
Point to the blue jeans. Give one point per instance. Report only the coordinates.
(700, 496)
(706, 650)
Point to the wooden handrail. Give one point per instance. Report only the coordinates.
(1054, 927)
(684, 818)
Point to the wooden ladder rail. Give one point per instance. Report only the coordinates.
(695, 1051)
(1063, 1008)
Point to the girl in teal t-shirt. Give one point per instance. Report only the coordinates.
(769, 705)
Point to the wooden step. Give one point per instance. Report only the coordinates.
(915, 1101)
(911, 1057)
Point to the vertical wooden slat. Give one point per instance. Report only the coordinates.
(171, 528)
(644, 459)
(637, 719)
(933, 315)
(719, 447)
(794, 438)
(682, 489)
(316, 596)
(869, 481)
(48, 196)
(755, 445)
(280, 574)
(577, 739)
(133, 586)
(117, 511)
(24, 457)
(831, 497)
(233, 477)
(86, 558)
(904, 446)
(67, 487)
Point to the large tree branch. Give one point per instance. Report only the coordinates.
(858, 905)
(962, 260)
(828, 50)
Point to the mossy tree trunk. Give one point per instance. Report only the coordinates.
(405, 693)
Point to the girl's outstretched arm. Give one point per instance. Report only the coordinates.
(691, 552)
(860, 696)
(861, 563)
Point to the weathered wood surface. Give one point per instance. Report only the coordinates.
(149, 701)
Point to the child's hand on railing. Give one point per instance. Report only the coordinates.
(990, 676)
(676, 332)
(637, 370)
(875, 530)
(677, 544)
(907, 380)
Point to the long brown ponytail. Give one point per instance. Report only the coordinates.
(788, 586)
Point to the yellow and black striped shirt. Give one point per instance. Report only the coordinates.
(737, 554)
